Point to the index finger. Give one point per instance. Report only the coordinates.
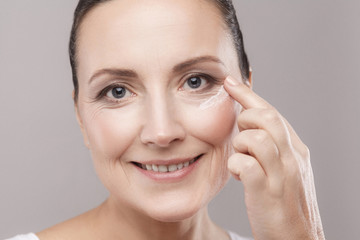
(243, 94)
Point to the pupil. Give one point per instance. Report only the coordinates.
(118, 92)
(194, 82)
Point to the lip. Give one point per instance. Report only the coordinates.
(167, 177)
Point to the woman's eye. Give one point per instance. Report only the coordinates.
(194, 82)
(118, 93)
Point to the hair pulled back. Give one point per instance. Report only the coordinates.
(226, 8)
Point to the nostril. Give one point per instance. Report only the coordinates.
(161, 127)
(156, 137)
(165, 140)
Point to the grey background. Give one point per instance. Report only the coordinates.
(306, 61)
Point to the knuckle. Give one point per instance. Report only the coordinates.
(239, 119)
(260, 137)
(247, 168)
(236, 141)
(250, 166)
(271, 116)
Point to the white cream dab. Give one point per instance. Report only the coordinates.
(215, 100)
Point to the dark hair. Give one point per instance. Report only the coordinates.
(225, 6)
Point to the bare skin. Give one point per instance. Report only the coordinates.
(101, 223)
(159, 118)
(274, 166)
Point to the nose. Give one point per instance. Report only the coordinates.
(162, 125)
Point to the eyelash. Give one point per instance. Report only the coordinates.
(102, 94)
(211, 81)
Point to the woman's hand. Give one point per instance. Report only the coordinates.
(274, 166)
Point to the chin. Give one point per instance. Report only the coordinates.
(175, 213)
(179, 206)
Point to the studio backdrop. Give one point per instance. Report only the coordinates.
(305, 56)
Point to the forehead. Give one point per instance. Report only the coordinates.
(136, 34)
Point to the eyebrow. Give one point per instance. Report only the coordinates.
(119, 72)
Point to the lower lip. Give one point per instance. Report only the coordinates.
(174, 176)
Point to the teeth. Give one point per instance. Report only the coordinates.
(180, 166)
(163, 168)
(166, 168)
(155, 168)
(172, 168)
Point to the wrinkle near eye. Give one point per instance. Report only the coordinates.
(97, 111)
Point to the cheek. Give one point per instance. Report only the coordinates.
(111, 132)
(213, 125)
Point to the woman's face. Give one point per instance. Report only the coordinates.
(145, 69)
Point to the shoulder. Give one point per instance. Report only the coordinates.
(30, 236)
(234, 236)
(75, 228)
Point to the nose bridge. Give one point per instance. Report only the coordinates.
(161, 123)
(158, 112)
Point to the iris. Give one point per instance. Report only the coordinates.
(194, 82)
(118, 92)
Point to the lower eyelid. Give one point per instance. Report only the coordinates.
(119, 102)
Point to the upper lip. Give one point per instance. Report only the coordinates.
(169, 161)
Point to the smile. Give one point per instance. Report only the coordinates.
(163, 168)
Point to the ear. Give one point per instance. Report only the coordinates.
(80, 122)
(249, 81)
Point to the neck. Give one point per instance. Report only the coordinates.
(117, 222)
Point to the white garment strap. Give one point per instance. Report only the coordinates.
(30, 236)
(234, 236)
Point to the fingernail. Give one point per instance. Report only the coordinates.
(232, 81)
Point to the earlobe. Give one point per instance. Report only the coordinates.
(249, 81)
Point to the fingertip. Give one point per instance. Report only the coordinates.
(231, 81)
(235, 88)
